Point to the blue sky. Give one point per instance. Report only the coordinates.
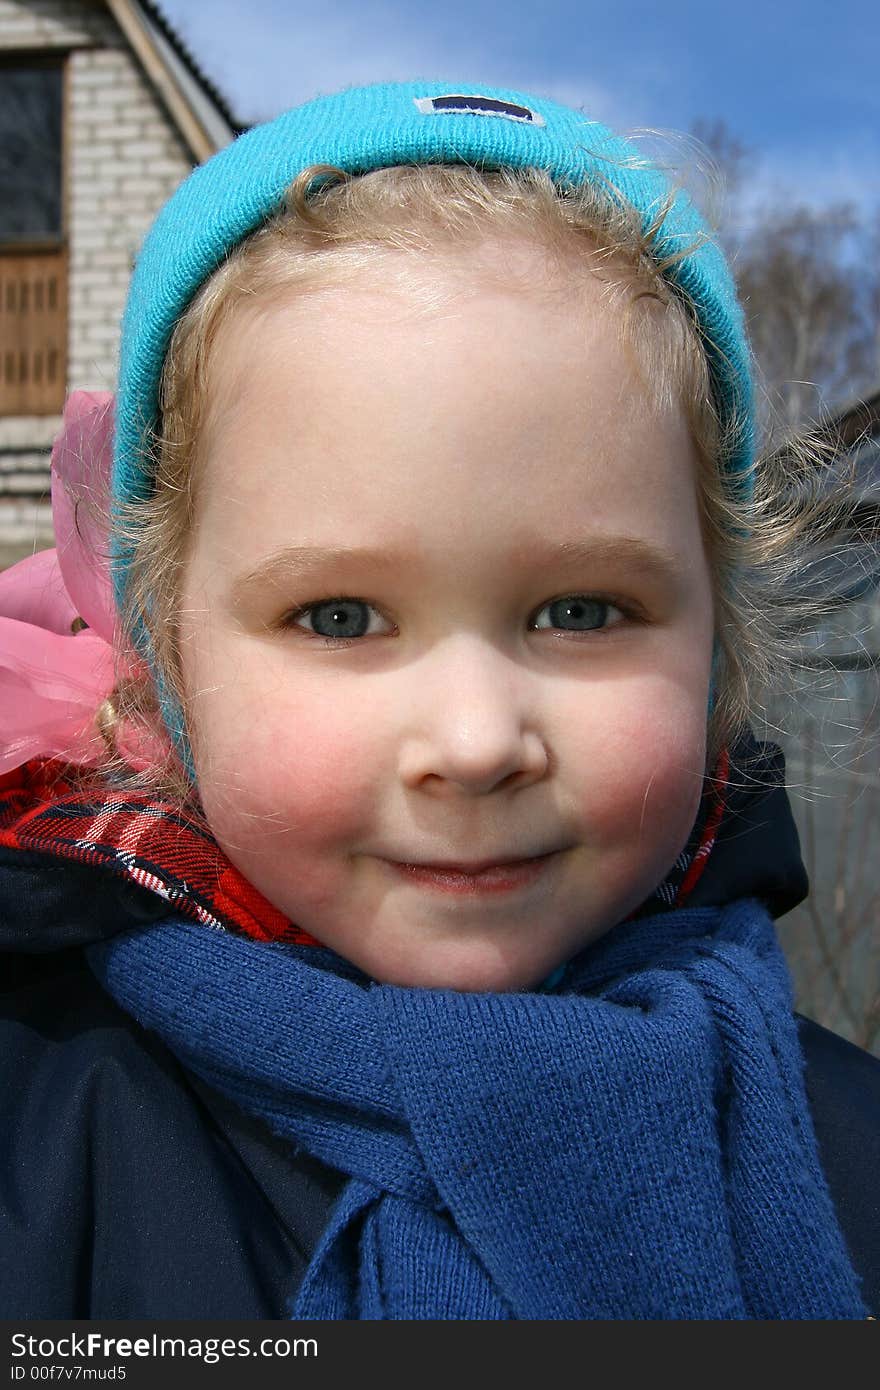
(796, 80)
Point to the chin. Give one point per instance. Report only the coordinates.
(465, 975)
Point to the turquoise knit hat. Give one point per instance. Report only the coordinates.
(378, 126)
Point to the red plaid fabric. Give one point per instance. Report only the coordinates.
(154, 844)
(707, 830)
(147, 841)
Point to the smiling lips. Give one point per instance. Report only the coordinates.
(497, 877)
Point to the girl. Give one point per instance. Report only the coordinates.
(424, 886)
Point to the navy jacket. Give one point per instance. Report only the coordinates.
(128, 1189)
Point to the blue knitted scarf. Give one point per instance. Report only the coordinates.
(635, 1144)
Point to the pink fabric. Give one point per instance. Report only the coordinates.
(52, 677)
(81, 463)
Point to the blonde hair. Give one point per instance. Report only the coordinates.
(331, 224)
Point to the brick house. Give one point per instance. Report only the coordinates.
(102, 113)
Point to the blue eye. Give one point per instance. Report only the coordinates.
(345, 619)
(336, 617)
(576, 613)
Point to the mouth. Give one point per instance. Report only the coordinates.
(498, 876)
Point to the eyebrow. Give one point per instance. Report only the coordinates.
(649, 560)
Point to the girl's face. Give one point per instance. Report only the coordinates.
(446, 605)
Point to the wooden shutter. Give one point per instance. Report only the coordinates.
(33, 330)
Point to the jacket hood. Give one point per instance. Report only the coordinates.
(757, 852)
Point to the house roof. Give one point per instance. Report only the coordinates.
(857, 422)
(163, 26)
(855, 429)
(198, 109)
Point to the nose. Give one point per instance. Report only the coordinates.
(474, 726)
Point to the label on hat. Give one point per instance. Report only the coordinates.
(476, 105)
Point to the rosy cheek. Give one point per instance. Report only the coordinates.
(308, 776)
(646, 786)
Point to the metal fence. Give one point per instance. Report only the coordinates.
(830, 734)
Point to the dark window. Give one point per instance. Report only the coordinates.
(33, 255)
(30, 152)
